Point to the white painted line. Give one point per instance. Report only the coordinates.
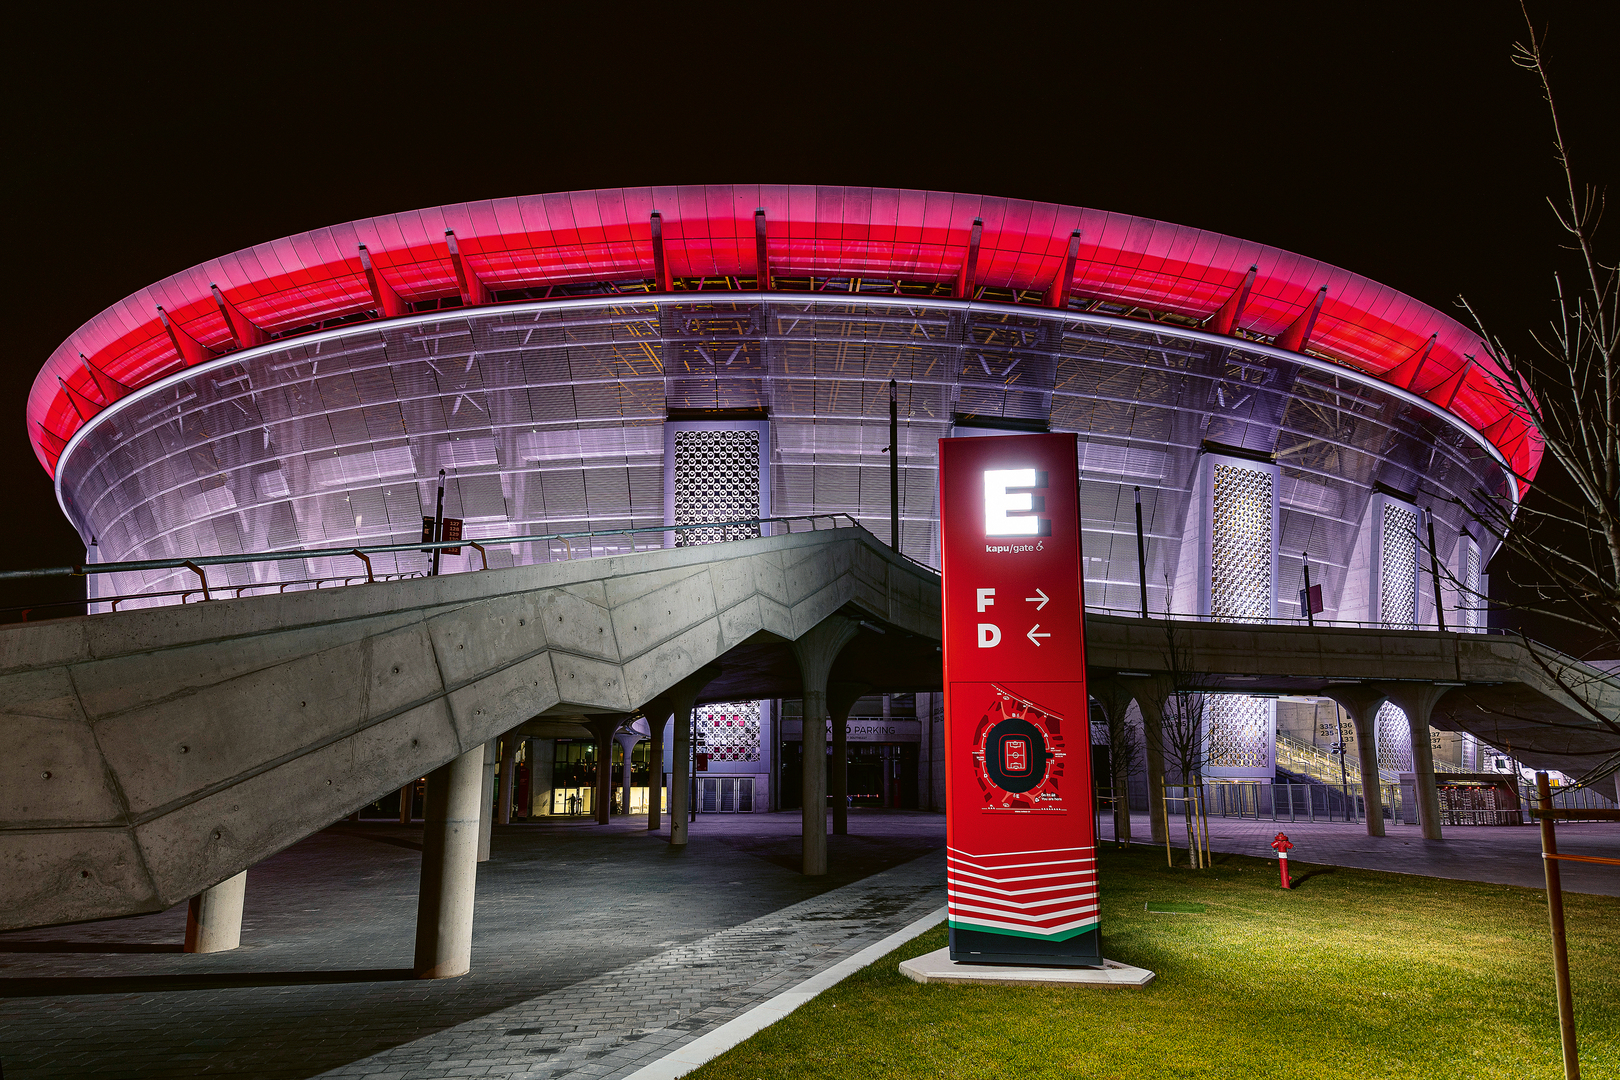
(707, 1047)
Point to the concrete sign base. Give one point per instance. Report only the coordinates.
(938, 967)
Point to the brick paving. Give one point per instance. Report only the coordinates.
(616, 1023)
(1504, 855)
(322, 979)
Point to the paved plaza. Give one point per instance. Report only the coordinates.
(322, 979)
(596, 949)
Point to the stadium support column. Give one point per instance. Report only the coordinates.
(627, 743)
(602, 729)
(486, 800)
(1362, 703)
(816, 650)
(840, 698)
(1418, 700)
(1150, 695)
(214, 919)
(657, 713)
(444, 909)
(503, 815)
(680, 699)
(1115, 699)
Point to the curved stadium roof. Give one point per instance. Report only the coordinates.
(829, 239)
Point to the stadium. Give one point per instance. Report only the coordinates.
(593, 369)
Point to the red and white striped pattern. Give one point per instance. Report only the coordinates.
(1046, 893)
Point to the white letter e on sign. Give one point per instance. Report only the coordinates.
(998, 501)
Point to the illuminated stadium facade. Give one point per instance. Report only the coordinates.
(628, 359)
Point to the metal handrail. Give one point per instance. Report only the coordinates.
(1287, 620)
(196, 563)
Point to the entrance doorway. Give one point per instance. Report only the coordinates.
(727, 795)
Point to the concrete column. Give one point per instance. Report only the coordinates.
(680, 773)
(214, 919)
(657, 713)
(627, 744)
(406, 795)
(816, 650)
(602, 728)
(1150, 698)
(486, 800)
(840, 698)
(1362, 704)
(503, 809)
(1115, 699)
(678, 699)
(1418, 700)
(444, 909)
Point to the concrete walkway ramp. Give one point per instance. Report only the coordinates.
(1552, 710)
(151, 754)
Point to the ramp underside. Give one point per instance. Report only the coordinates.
(157, 752)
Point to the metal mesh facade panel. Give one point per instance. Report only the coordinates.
(729, 732)
(1238, 734)
(551, 418)
(1394, 739)
(716, 479)
(1470, 600)
(1397, 574)
(1240, 585)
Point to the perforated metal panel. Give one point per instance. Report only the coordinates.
(1470, 600)
(1239, 735)
(730, 732)
(716, 478)
(1397, 574)
(1240, 557)
(1394, 739)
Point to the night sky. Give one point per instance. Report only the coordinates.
(1398, 142)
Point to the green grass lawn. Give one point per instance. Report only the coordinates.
(1354, 974)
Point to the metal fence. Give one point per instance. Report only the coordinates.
(1468, 803)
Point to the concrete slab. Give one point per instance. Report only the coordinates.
(937, 967)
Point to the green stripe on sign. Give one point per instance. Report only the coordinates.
(969, 924)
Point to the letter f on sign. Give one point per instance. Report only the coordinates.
(987, 598)
(989, 635)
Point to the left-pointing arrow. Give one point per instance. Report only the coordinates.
(1032, 635)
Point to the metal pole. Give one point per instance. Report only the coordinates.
(1141, 552)
(1310, 614)
(692, 789)
(894, 466)
(1434, 570)
(1555, 915)
(1344, 773)
(438, 525)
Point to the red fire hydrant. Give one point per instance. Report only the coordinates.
(1281, 845)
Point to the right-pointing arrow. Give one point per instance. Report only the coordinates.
(1032, 635)
(1040, 599)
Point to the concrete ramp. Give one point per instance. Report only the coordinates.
(1504, 690)
(151, 754)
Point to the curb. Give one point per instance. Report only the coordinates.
(712, 1044)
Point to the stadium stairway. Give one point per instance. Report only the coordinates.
(157, 752)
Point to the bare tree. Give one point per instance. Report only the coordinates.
(1567, 386)
(1183, 728)
(1124, 762)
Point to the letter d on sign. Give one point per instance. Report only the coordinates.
(989, 635)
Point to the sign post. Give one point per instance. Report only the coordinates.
(1021, 874)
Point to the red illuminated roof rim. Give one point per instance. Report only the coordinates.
(475, 253)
